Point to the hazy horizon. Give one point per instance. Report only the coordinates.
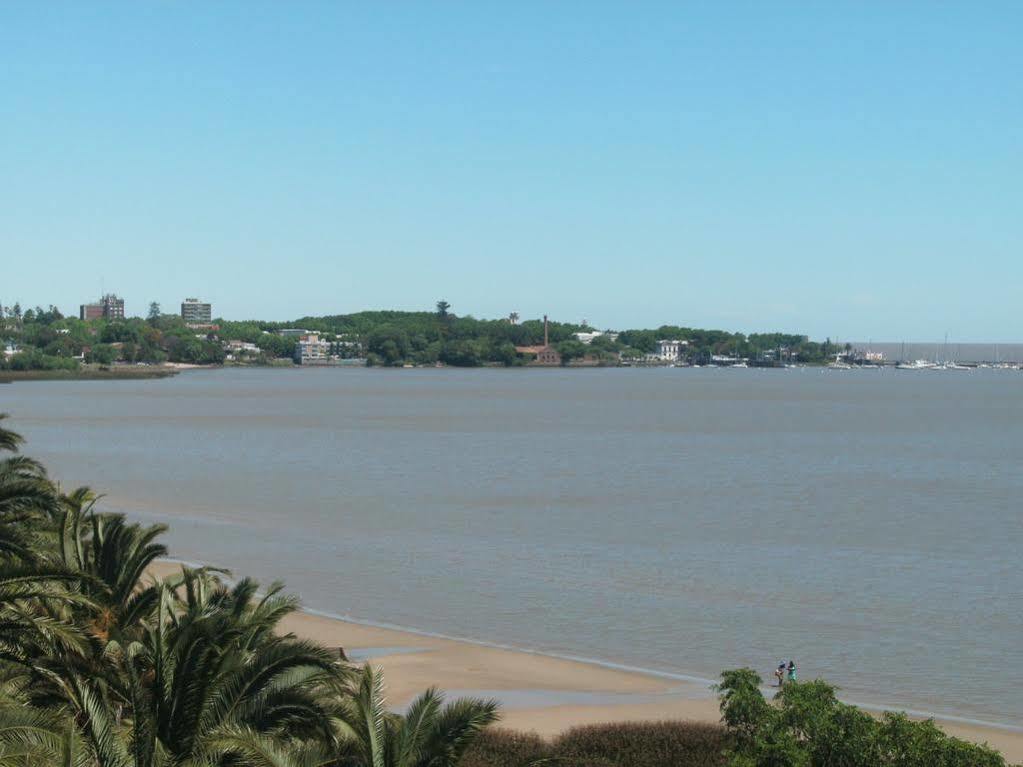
(1012, 348)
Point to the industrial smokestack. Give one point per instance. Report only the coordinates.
(546, 342)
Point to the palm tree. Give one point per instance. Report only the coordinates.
(210, 682)
(110, 609)
(114, 554)
(9, 440)
(34, 588)
(429, 734)
(28, 477)
(23, 482)
(31, 737)
(25, 494)
(31, 598)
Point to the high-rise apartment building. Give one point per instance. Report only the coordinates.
(109, 307)
(195, 312)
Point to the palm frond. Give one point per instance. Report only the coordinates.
(248, 748)
(370, 720)
(456, 727)
(9, 440)
(32, 737)
(98, 726)
(416, 728)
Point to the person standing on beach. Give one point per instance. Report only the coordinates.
(792, 671)
(779, 673)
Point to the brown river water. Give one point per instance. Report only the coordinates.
(868, 524)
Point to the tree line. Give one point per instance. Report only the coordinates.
(46, 339)
(50, 341)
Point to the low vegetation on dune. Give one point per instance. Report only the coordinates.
(101, 666)
(805, 727)
(646, 745)
(629, 744)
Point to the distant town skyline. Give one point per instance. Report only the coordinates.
(199, 310)
(841, 170)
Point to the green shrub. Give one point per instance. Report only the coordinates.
(33, 359)
(629, 744)
(101, 354)
(642, 744)
(905, 743)
(505, 748)
(808, 726)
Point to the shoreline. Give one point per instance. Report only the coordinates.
(545, 693)
(85, 373)
(170, 369)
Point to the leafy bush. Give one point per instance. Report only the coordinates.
(33, 359)
(629, 744)
(101, 354)
(641, 744)
(506, 748)
(810, 727)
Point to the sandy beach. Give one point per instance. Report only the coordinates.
(538, 693)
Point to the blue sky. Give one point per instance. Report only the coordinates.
(850, 170)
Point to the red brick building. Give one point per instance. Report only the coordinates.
(545, 355)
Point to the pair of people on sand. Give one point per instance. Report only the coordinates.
(785, 671)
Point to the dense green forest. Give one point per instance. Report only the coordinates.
(44, 339)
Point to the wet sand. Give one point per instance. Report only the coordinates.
(538, 693)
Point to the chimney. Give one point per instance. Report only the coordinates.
(546, 342)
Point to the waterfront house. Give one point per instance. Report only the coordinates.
(670, 350)
(237, 349)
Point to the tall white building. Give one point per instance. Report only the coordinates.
(196, 312)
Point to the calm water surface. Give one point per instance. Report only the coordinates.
(867, 524)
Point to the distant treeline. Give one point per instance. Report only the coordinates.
(44, 339)
(398, 338)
